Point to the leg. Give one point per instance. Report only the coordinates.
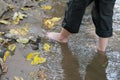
(72, 20)
(102, 17)
(102, 44)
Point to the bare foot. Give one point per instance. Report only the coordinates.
(57, 37)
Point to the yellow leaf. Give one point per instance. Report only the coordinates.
(18, 78)
(25, 9)
(46, 7)
(4, 22)
(55, 19)
(23, 40)
(37, 60)
(6, 55)
(17, 17)
(23, 30)
(49, 23)
(46, 47)
(13, 31)
(1, 40)
(12, 47)
(31, 55)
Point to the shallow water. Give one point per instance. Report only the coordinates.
(76, 60)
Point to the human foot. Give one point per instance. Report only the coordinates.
(57, 37)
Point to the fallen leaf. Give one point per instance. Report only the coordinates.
(12, 47)
(1, 40)
(55, 19)
(51, 22)
(25, 9)
(23, 40)
(31, 55)
(18, 78)
(5, 22)
(17, 17)
(46, 7)
(6, 55)
(13, 31)
(46, 47)
(38, 60)
(48, 23)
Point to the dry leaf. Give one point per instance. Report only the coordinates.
(25, 9)
(12, 47)
(46, 47)
(1, 39)
(46, 7)
(55, 19)
(23, 40)
(31, 55)
(38, 60)
(51, 22)
(6, 55)
(18, 78)
(5, 22)
(17, 17)
(48, 23)
(13, 31)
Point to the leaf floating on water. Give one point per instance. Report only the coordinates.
(4, 22)
(31, 55)
(51, 22)
(46, 47)
(46, 7)
(25, 9)
(17, 17)
(18, 78)
(1, 39)
(23, 40)
(13, 31)
(38, 60)
(55, 19)
(12, 47)
(6, 55)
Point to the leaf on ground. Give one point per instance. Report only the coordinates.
(48, 23)
(46, 47)
(20, 31)
(25, 8)
(18, 78)
(4, 22)
(23, 40)
(13, 31)
(6, 55)
(18, 16)
(51, 22)
(55, 19)
(31, 55)
(46, 7)
(12, 47)
(1, 39)
(38, 60)
(23, 30)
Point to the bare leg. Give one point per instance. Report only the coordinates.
(60, 37)
(102, 44)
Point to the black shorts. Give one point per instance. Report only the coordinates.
(102, 14)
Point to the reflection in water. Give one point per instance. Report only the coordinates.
(70, 64)
(96, 69)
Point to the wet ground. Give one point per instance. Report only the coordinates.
(76, 60)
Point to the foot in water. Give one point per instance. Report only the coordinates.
(57, 37)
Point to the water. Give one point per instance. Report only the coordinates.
(76, 60)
